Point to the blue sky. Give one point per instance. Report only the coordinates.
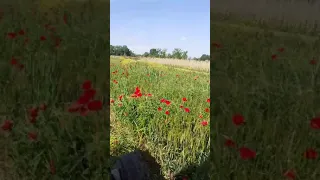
(145, 24)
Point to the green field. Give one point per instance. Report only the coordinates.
(271, 80)
(178, 139)
(45, 59)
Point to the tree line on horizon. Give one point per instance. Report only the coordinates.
(177, 53)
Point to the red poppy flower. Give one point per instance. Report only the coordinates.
(34, 112)
(208, 100)
(111, 101)
(204, 123)
(120, 98)
(84, 99)
(184, 99)
(313, 62)
(246, 153)
(167, 112)
(310, 154)
(200, 116)
(216, 45)
(7, 125)
(21, 32)
(281, 49)
(238, 119)
(229, 143)
(167, 102)
(115, 81)
(13, 61)
(159, 108)
(207, 110)
(90, 93)
(12, 35)
(187, 110)
(32, 136)
(83, 111)
(43, 38)
(86, 85)
(181, 106)
(315, 123)
(95, 105)
(137, 93)
(274, 56)
(290, 174)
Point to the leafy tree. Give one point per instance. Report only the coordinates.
(204, 57)
(120, 51)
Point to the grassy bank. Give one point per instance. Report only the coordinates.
(170, 117)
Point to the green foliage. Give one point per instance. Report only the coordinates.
(175, 140)
(155, 53)
(51, 72)
(276, 90)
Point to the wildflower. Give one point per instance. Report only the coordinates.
(315, 123)
(12, 35)
(137, 93)
(86, 85)
(167, 112)
(7, 125)
(95, 105)
(33, 112)
(280, 49)
(83, 111)
(207, 110)
(90, 93)
(290, 174)
(204, 123)
(159, 109)
(208, 100)
(22, 32)
(274, 57)
(216, 45)
(238, 119)
(32, 136)
(43, 38)
(13, 61)
(310, 154)
(246, 153)
(229, 143)
(187, 110)
(184, 99)
(313, 62)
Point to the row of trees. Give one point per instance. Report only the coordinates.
(155, 53)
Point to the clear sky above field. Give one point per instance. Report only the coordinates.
(145, 24)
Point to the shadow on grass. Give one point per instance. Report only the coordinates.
(151, 170)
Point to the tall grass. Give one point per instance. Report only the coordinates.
(173, 129)
(46, 56)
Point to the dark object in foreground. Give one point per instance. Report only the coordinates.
(137, 165)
